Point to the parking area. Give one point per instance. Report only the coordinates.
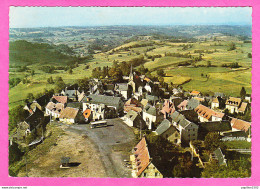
(114, 143)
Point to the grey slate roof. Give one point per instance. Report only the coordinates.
(151, 111)
(219, 156)
(131, 115)
(102, 99)
(164, 126)
(192, 104)
(122, 86)
(151, 97)
(177, 117)
(184, 123)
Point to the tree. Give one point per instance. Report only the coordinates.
(15, 153)
(16, 115)
(208, 64)
(160, 72)
(201, 74)
(249, 55)
(243, 93)
(50, 80)
(32, 72)
(30, 96)
(70, 71)
(231, 46)
(212, 141)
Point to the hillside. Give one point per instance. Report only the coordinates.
(24, 53)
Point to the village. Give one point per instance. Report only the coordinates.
(176, 132)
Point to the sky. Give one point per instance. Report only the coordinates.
(24, 17)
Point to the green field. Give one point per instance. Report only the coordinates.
(220, 79)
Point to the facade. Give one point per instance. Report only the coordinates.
(149, 116)
(123, 89)
(142, 165)
(233, 104)
(215, 103)
(53, 109)
(93, 102)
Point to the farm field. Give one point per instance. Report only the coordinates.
(219, 79)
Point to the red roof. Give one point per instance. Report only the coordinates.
(168, 107)
(61, 99)
(206, 112)
(142, 156)
(195, 93)
(183, 104)
(240, 124)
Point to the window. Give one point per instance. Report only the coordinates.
(193, 135)
(145, 174)
(156, 174)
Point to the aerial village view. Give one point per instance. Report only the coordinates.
(130, 92)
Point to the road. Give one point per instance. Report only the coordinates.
(114, 142)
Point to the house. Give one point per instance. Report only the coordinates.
(71, 92)
(215, 103)
(77, 105)
(40, 103)
(71, 115)
(243, 108)
(188, 130)
(123, 89)
(148, 87)
(218, 155)
(53, 109)
(96, 87)
(169, 132)
(176, 91)
(59, 99)
(206, 114)
(142, 165)
(150, 115)
(151, 98)
(29, 125)
(233, 104)
(93, 101)
(182, 105)
(133, 104)
(168, 108)
(195, 93)
(240, 125)
(190, 115)
(133, 119)
(192, 104)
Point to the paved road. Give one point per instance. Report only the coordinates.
(114, 143)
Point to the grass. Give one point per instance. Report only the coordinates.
(220, 79)
(238, 144)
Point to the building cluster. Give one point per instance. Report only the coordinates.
(177, 115)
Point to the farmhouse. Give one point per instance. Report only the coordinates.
(150, 116)
(206, 114)
(39, 103)
(142, 165)
(123, 89)
(71, 92)
(240, 125)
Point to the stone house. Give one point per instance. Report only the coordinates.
(142, 165)
(150, 115)
(133, 119)
(123, 89)
(93, 102)
(71, 92)
(169, 132)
